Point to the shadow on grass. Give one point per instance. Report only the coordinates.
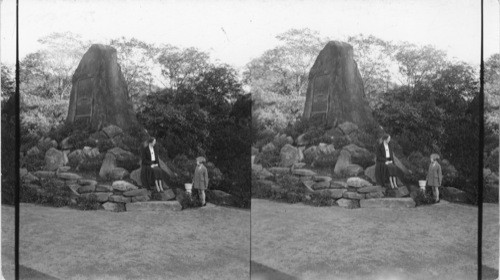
(489, 273)
(261, 272)
(27, 273)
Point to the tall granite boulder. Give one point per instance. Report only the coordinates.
(335, 91)
(99, 92)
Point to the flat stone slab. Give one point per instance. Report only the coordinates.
(333, 193)
(119, 198)
(357, 182)
(375, 195)
(403, 202)
(322, 178)
(371, 189)
(279, 170)
(138, 192)
(321, 185)
(86, 189)
(353, 195)
(338, 185)
(154, 206)
(69, 176)
(45, 174)
(303, 172)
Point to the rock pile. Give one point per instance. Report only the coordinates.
(115, 197)
(347, 194)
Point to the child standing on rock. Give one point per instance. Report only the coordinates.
(434, 176)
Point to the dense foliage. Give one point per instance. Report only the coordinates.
(209, 116)
(8, 136)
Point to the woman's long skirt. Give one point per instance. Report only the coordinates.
(149, 175)
(381, 174)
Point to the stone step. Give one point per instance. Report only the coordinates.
(154, 206)
(403, 202)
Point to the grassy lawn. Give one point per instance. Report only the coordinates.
(204, 243)
(429, 242)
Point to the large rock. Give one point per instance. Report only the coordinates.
(357, 182)
(53, 159)
(124, 158)
(168, 194)
(332, 193)
(99, 91)
(136, 176)
(454, 195)
(289, 155)
(352, 170)
(370, 173)
(154, 206)
(114, 207)
(360, 156)
(108, 165)
(326, 149)
(343, 162)
(118, 173)
(348, 203)
(387, 203)
(335, 89)
(123, 186)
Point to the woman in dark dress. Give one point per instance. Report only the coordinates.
(385, 168)
(151, 172)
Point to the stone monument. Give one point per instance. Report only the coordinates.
(335, 91)
(99, 92)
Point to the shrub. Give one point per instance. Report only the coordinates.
(33, 162)
(318, 199)
(188, 201)
(88, 203)
(423, 198)
(268, 158)
(50, 193)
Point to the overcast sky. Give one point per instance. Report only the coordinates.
(235, 31)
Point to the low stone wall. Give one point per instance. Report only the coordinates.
(347, 194)
(114, 197)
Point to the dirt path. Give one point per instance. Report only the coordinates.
(207, 243)
(431, 242)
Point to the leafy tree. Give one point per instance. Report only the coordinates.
(285, 68)
(137, 60)
(374, 61)
(417, 64)
(179, 66)
(8, 140)
(492, 88)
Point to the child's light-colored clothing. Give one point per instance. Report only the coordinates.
(434, 175)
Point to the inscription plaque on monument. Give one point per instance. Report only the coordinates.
(84, 98)
(320, 94)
